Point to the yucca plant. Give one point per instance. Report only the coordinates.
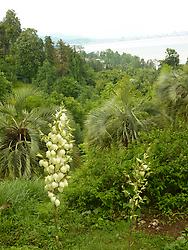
(171, 94)
(118, 119)
(20, 134)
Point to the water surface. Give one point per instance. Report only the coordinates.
(150, 48)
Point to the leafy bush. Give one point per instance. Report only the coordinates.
(97, 187)
(5, 86)
(167, 189)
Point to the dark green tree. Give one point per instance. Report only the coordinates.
(63, 58)
(171, 58)
(46, 77)
(29, 54)
(49, 49)
(10, 30)
(68, 86)
(2, 40)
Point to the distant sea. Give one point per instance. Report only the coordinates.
(147, 48)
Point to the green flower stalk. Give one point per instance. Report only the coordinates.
(141, 172)
(59, 143)
(139, 182)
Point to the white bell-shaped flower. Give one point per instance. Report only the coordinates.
(49, 144)
(59, 144)
(57, 203)
(54, 184)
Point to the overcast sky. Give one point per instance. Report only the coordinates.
(100, 18)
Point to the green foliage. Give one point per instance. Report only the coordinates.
(29, 54)
(144, 79)
(71, 63)
(46, 77)
(180, 244)
(27, 223)
(97, 186)
(171, 59)
(10, 29)
(49, 50)
(118, 119)
(75, 108)
(20, 134)
(106, 77)
(167, 185)
(68, 86)
(115, 60)
(169, 98)
(7, 66)
(20, 193)
(5, 87)
(63, 58)
(23, 221)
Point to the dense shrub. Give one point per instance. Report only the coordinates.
(5, 86)
(168, 189)
(97, 187)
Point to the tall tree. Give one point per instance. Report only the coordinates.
(10, 29)
(29, 54)
(171, 58)
(46, 77)
(2, 40)
(49, 50)
(63, 58)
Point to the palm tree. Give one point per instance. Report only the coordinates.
(172, 94)
(20, 134)
(117, 120)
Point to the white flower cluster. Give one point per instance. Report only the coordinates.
(56, 163)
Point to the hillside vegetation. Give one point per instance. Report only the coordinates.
(129, 162)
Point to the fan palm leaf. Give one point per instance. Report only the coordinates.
(117, 120)
(172, 94)
(20, 135)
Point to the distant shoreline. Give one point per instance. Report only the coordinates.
(147, 48)
(79, 40)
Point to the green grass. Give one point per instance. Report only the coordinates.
(116, 238)
(29, 224)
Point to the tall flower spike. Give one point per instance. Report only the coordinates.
(59, 143)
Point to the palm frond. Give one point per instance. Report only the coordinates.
(20, 135)
(116, 120)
